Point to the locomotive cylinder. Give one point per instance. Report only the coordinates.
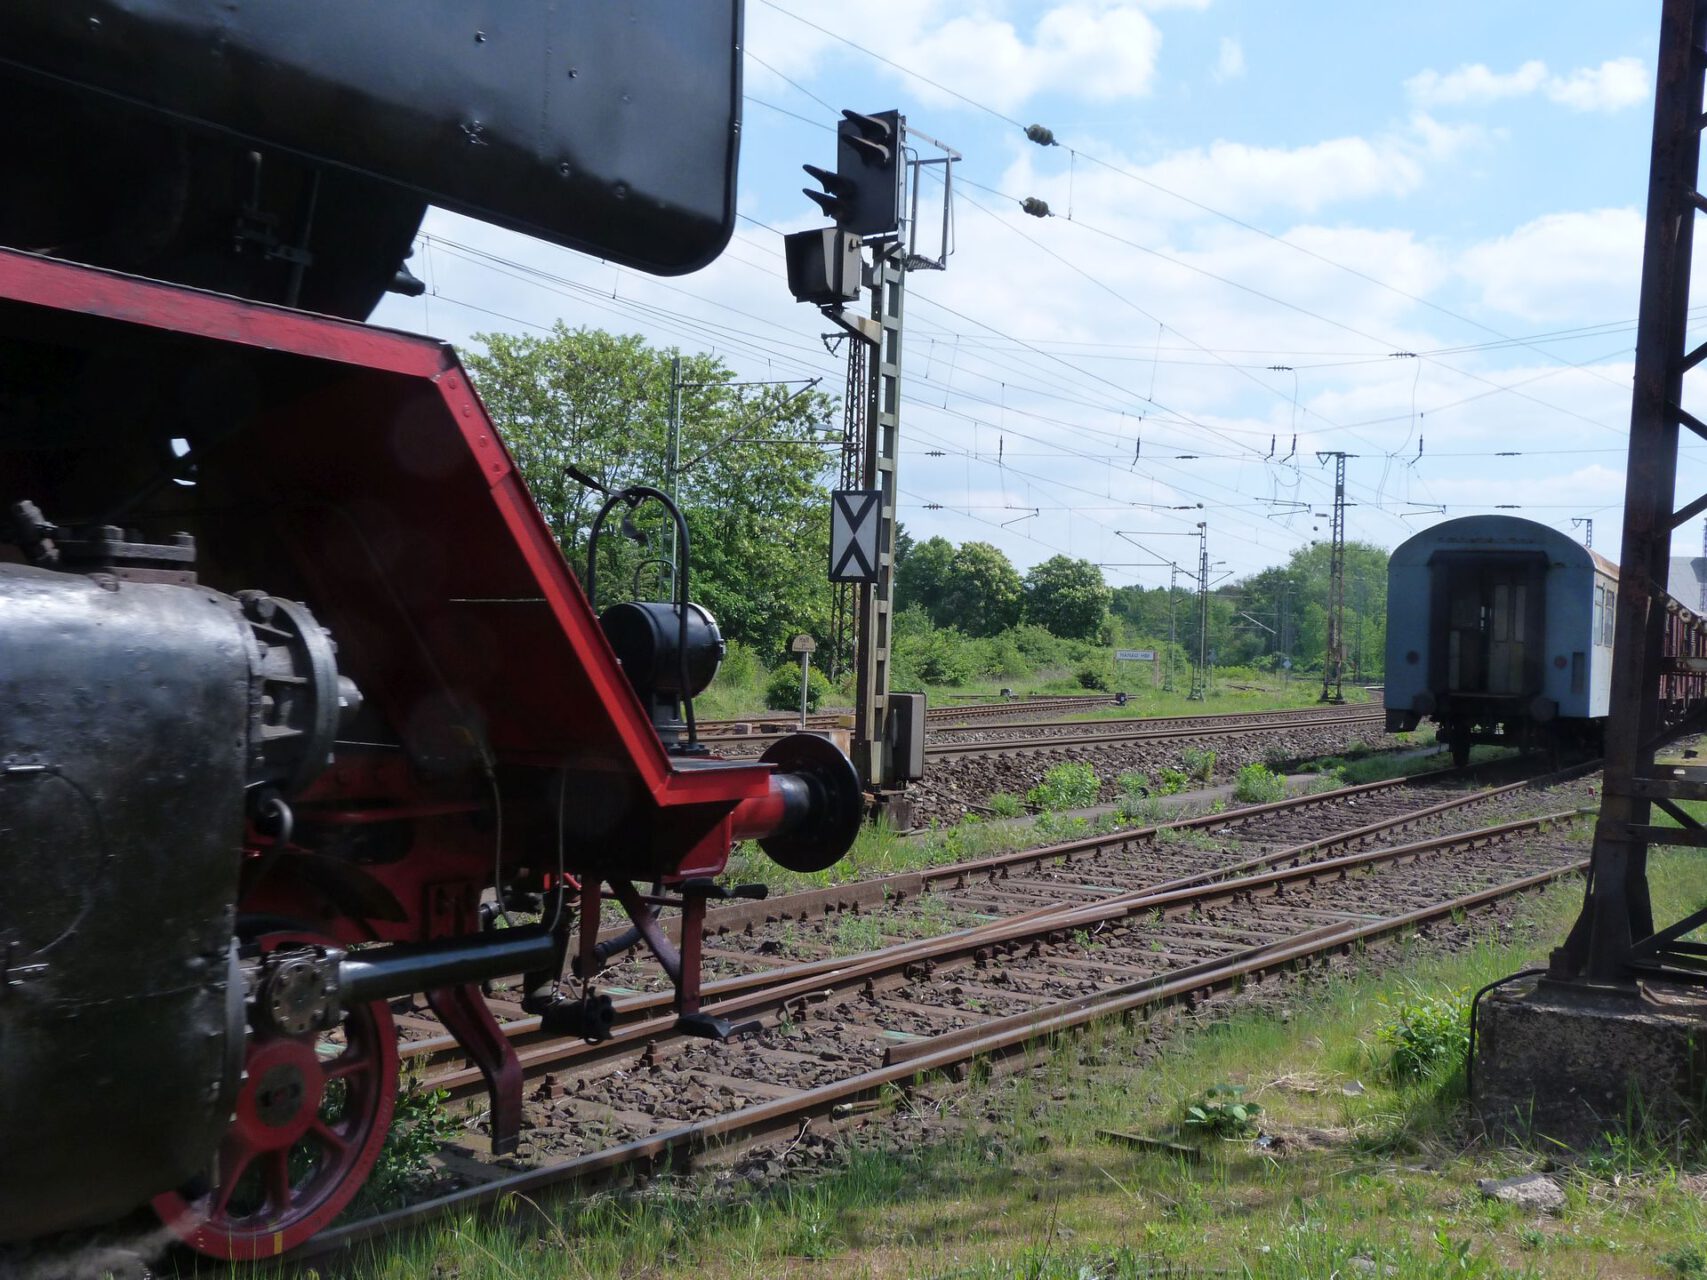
(138, 714)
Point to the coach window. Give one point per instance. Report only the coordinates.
(1599, 613)
(1611, 613)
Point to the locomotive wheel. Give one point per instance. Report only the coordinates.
(309, 1119)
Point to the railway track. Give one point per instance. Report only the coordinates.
(1255, 719)
(747, 942)
(1053, 939)
(1020, 946)
(1125, 732)
(772, 722)
(1000, 739)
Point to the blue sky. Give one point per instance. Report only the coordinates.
(1461, 181)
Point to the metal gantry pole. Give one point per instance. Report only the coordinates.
(1333, 661)
(1173, 635)
(1656, 694)
(1200, 672)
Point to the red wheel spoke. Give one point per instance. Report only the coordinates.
(278, 1115)
(348, 1064)
(234, 1162)
(276, 1171)
(330, 1136)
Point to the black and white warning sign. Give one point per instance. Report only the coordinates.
(854, 526)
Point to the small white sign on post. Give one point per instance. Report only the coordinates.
(805, 646)
(1134, 655)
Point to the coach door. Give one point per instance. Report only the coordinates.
(1493, 625)
(1507, 642)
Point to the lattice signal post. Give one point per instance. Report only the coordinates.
(1200, 670)
(873, 198)
(1660, 675)
(1333, 661)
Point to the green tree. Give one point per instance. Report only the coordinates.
(1067, 596)
(1290, 603)
(984, 593)
(903, 545)
(922, 578)
(749, 480)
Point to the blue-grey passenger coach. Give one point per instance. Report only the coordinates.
(1499, 630)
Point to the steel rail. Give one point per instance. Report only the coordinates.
(524, 1032)
(941, 1052)
(1284, 717)
(783, 722)
(900, 887)
(763, 726)
(1138, 733)
(748, 995)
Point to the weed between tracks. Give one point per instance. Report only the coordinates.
(879, 850)
(1363, 1168)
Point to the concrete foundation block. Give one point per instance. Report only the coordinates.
(1569, 1063)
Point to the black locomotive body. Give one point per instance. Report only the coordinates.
(296, 689)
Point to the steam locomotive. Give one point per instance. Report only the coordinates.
(299, 700)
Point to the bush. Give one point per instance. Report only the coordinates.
(1172, 782)
(1057, 826)
(1066, 786)
(420, 1124)
(1133, 784)
(1039, 648)
(999, 658)
(1199, 763)
(741, 665)
(1139, 808)
(914, 620)
(1092, 678)
(782, 690)
(1425, 1033)
(1222, 1112)
(1004, 804)
(1258, 785)
(1687, 1263)
(935, 655)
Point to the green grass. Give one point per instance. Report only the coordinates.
(1266, 694)
(1371, 764)
(878, 850)
(739, 690)
(1017, 1178)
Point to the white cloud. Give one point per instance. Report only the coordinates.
(1475, 83)
(1613, 85)
(1230, 64)
(1097, 50)
(1100, 54)
(1620, 82)
(1243, 177)
(1562, 265)
(1587, 487)
(1114, 344)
